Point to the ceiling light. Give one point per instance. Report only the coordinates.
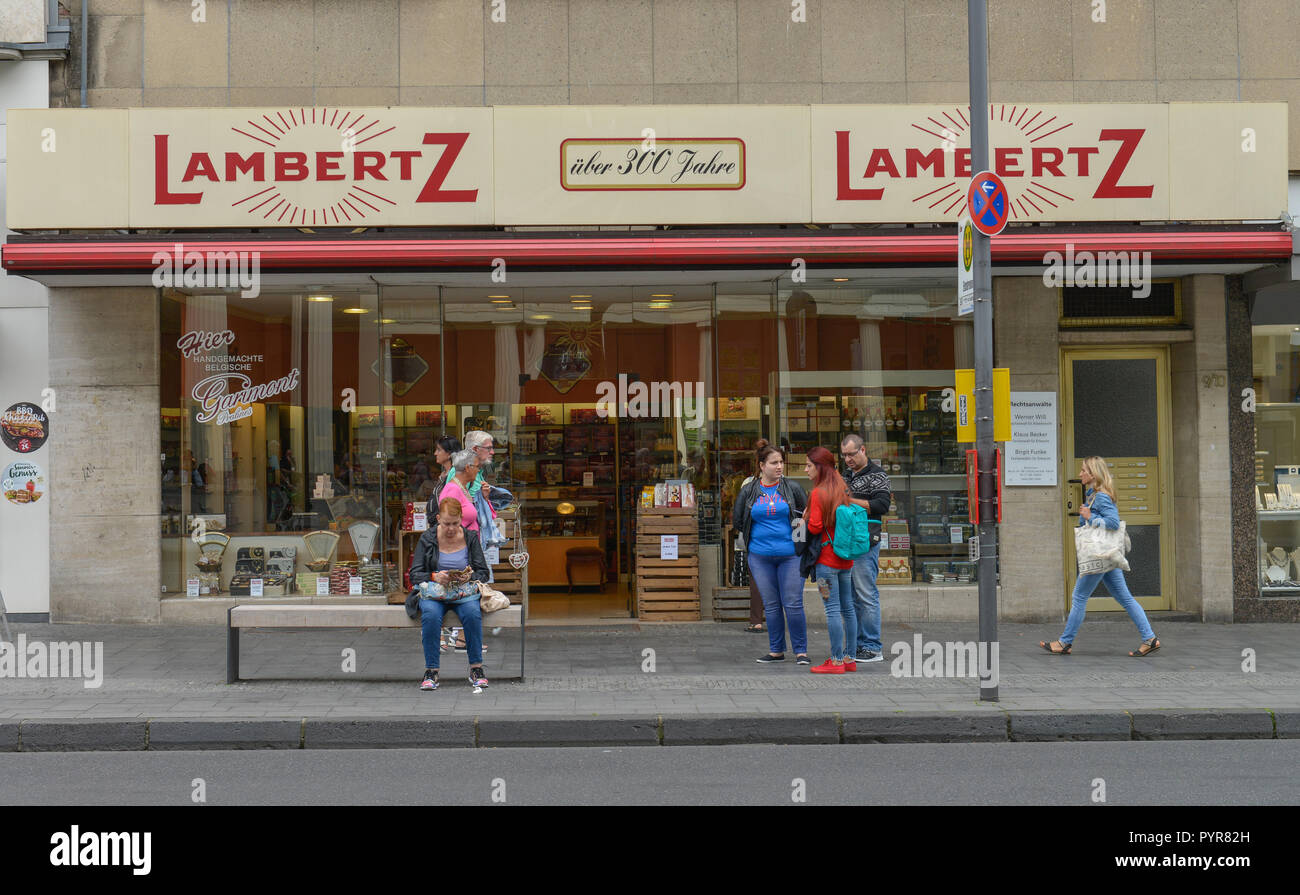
(320, 298)
(660, 305)
(541, 316)
(579, 296)
(662, 295)
(388, 320)
(839, 279)
(502, 301)
(498, 296)
(355, 311)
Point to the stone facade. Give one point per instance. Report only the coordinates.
(635, 52)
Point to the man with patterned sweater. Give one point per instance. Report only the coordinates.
(868, 487)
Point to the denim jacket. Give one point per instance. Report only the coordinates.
(1103, 510)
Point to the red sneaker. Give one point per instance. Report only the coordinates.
(827, 667)
(850, 664)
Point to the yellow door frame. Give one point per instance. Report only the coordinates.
(1164, 437)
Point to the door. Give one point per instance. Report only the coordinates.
(1116, 405)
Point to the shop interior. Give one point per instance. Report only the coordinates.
(593, 394)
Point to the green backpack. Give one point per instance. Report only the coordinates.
(852, 531)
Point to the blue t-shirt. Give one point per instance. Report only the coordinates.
(770, 534)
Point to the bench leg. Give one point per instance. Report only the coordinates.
(232, 650)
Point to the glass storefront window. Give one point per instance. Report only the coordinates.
(1276, 373)
(273, 477)
(872, 358)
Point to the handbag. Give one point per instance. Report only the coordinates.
(492, 600)
(1099, 549)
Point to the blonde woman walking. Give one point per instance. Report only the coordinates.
(1099, 509)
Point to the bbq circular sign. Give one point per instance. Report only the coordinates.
(23, 482)
(24, 427)
(988, 202)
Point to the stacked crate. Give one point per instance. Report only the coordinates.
(667, 590)
(508, 579)
(731, 604)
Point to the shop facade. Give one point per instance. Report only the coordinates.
(273, 347)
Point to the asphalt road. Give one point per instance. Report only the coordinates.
(1239, 772)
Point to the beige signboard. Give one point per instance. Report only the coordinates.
(309, 167)
(1074, 162)
(652, 165)
(618, 165)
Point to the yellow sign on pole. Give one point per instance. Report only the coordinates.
(965, 395)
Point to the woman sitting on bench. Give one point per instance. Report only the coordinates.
(441, 557)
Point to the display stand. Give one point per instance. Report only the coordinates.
(506, 578)
(667, 590)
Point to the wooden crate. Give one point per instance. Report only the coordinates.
(731, 604)
(667, 589)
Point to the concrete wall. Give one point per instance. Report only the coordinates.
(1201, 471)
(104, 516)
(24, 373)
(1031, 550)
(635, 52)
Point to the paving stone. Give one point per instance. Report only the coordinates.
(584, 731)
(98, 735)
(1052, 725)
(225, 734)
(1287, 723)
(1202, 725)
(387, 733)
(703, 730)
(926, 727)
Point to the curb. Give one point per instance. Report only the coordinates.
(532, 731)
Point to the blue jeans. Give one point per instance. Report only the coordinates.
(841, 616)
(867, 597)
(471, 616)
(781, 588)
(1083, 588)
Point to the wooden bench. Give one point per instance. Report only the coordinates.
(306, 615)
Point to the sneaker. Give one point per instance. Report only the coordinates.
(477, 677)
(430, 681)
(802, 660)
(850, 664)
(866, 655)
(770, 658)
(827, 667)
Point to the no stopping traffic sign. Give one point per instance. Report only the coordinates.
(988, 202)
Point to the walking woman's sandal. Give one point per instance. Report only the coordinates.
(1146, 648)
(1063, 651)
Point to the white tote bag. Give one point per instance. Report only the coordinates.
(1100, 549)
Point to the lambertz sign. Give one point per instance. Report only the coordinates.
(571, 165)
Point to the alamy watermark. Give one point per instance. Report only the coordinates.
(933, 658)
(208, 269)
(74, 659)
(1130, 269)
(654, 399)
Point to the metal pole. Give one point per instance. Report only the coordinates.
(977, 11)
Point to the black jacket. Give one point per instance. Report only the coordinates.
(872, 485)
(742, 521)
(426, 563)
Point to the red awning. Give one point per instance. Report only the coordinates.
(657, 251)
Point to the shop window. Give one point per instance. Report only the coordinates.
(1276, 369)
(872, 359)
(271, 483)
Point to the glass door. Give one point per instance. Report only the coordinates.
(1116, 406)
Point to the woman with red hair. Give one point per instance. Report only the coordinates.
(834, 575)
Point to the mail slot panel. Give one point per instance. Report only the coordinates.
(1136, 483)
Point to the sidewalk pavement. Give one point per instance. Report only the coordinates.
(647, 684)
